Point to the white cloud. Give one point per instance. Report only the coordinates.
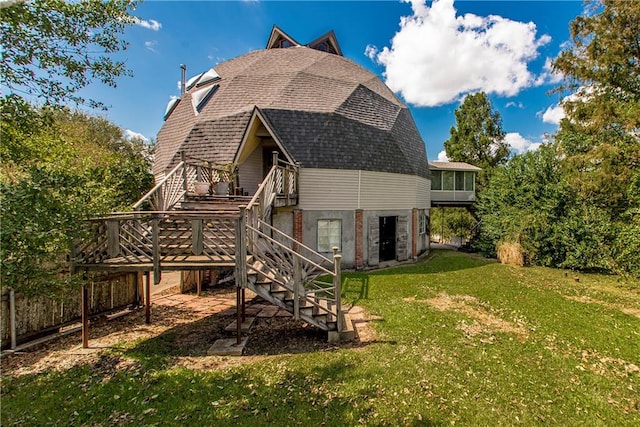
(129, 134)
(520, 144)
(514, 104)
(151, 45)
(553, 115)
(436, 57)
(442, 156)
(548, 76)
(179, 85)
(151, 24)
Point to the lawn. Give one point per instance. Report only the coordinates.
(460, 340)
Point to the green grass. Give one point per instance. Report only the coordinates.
(518, 346)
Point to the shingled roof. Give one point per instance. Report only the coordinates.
(326, 110)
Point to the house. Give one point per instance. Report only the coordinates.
(317, 166)
(362, 176)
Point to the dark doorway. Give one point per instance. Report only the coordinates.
(267, 158)
(388, 238)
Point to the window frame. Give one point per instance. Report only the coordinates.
(331, 243)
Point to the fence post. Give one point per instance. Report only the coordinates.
(337, 285)
(12, 317)
(85, 315)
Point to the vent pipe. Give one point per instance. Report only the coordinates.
(183, 81)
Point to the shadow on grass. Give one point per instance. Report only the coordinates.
(106, 393)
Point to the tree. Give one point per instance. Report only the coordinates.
(58, 167)
(478, 138)
(54, 48)
(600, 135)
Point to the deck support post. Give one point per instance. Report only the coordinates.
(241, 269)
(199, 282)
(147, 298)
(85, 315)
(244, 304)
(337, 285)
(238, 315)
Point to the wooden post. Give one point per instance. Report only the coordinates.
(155, 239)
(12, 317)
(241, 269)
(241, 248)
(199, 282)
(210, 169)
(337, 285)
(244, 304)
(184, 171)
(297, 279)
(147, 298)
(238, 316)
(85, 316)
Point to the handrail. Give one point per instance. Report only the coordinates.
(291, 251)
(261, 188)
(158, 186)
(286, 236)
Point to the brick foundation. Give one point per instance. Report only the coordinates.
(297, 227)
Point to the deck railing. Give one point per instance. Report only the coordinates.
(170, 191)
(158, 240)
(279, 188)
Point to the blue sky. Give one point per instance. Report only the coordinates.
(430, 54)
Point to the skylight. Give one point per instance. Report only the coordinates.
(173, 102)
(200, 97)
(193, 80)
(208, 77)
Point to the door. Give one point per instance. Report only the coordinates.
(403, 238)
(388, 237)
(373, 251)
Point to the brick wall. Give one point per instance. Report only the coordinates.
(359, 237)
(297, 226)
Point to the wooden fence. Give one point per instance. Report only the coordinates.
(40, 315)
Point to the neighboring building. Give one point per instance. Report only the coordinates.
(363, 172)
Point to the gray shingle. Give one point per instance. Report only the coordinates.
(327, 110)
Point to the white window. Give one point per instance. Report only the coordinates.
(422, 224)
(329, 234)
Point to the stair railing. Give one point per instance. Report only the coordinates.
(311, 277)
(171, 189)
(166, 193)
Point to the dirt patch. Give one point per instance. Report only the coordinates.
(588, 300)
(182, 330)
(483, 321)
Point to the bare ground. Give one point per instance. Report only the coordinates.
(183, 328)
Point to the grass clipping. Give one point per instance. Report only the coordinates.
(511, 253)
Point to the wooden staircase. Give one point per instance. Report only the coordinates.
(184, 231)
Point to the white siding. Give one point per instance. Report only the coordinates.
(423, 193)
(335, 189)
(250, 172)
(328, 189)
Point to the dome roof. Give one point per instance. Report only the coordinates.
(317, 102)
